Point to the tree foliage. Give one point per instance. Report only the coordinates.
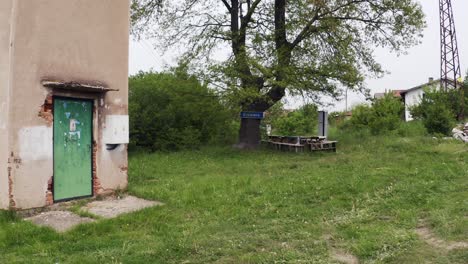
(173, 110)
(302, 47)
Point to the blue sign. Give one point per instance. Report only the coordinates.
(252, 115)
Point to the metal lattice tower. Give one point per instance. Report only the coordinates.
(450, 62)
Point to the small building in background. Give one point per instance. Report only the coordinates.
(63, 100)
(411, 97)
(414, 96)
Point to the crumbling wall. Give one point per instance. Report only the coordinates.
(73, 40)
(5, 32)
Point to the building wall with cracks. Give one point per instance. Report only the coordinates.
(73, 41)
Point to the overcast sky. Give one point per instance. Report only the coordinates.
(406, 71)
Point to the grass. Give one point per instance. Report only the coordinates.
(228, 206)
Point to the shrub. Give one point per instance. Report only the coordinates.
(439, 119)
(302, 121)
(337, 118)
(173, 110)
(384, 115)
(387, 114)
(361, 118)
(438, 111)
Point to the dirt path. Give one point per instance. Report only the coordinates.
(430, 238)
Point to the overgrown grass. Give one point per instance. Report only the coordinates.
(228, 206)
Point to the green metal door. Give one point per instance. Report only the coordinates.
(72, 148)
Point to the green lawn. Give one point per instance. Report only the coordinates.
(228, 206)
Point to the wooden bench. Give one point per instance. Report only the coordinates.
(301, 144)
(286, 146)
(323, 146)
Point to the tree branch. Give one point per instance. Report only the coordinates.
(248, 17)
(229, 8)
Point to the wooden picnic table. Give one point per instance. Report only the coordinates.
(302, 143)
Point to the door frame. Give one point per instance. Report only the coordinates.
(92, 147)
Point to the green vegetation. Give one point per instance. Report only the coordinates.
(438, 111)
(173, 110)
(229, 206)
(278, 48)
(299, 122)
(383, 116)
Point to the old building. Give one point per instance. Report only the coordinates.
(63, 100)
(411, 97)
(414, 96)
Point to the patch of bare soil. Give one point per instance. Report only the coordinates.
(61, 221)
(343, 257)
(430, 238)
(113, 206)
(339, 255)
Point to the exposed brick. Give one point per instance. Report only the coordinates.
(10, 189)
(49, 198)
(46, 110)
(49, 192)
(97, 188)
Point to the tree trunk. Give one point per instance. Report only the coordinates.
(249, 134)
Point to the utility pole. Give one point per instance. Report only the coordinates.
(450, 59)
(346, 100)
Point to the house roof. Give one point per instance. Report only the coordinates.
(396, 93)
(427, 84)
(420, 86)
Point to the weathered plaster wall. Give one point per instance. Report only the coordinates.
(73, 40)
(5, 26)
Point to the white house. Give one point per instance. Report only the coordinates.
(414, 96)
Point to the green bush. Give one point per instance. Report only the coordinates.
(173, 110)
(337, 118)
(302, 121)
(387, 114)
(384, 115)
(361, 118)
(438, 111)
(439, 120)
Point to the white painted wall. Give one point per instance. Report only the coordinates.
(116, 130)
(35, 143)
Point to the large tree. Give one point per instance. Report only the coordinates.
(311, 48)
